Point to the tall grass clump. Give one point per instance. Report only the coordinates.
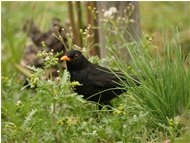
(165, 89)
(165, 82)
(163, 73)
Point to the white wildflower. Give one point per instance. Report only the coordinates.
(132, 20)
(109, 13)
(84, 49)
(47, 58)
(113, 9)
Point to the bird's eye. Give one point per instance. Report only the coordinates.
(76, 56)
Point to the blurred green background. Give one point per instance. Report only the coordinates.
(156, 18)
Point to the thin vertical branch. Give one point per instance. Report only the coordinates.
(91, 21)
(54, 121)
(95, 30)
(79, 22)
(71, 17)
(89, 18)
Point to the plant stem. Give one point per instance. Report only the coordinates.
(54, 122)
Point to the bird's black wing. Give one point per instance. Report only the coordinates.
(103, 77)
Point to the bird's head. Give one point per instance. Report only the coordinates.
(74, 59)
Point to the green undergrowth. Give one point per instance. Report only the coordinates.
(156, 111)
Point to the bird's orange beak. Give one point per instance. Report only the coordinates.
(65, 58)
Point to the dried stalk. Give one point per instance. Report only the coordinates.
(71, 17)
(92, 21)
(79, 22)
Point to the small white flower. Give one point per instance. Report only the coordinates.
(132, 20)
(47, 58)
(107, 13)
(88, 35)
(113, 9)
(84, 49)
(89, 26)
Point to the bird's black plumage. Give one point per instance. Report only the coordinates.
(98, 84)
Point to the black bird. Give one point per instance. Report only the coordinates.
(98, 84)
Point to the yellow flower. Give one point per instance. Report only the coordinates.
(129, 68)
(116, 112)
(61, 122)
(43, 44)
(119, 110)
(71, 121)
(121, 107)
(75, 83)
(171, 122)
(18, 103)
(68, 121)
